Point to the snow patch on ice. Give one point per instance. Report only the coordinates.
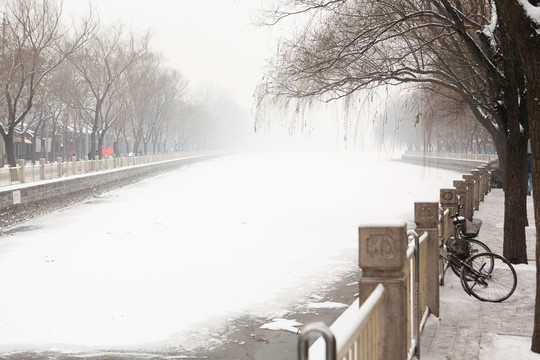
(283, 324)
(327, 305)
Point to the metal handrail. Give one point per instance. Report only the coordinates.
(349, 329)
(321, 329)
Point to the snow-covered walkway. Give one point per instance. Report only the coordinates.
(470, 329)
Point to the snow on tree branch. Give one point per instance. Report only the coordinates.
(532, 12)
(489, 30)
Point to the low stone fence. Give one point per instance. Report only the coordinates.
(23, 201)
(402, 267)
(28, 172)
(451, 161)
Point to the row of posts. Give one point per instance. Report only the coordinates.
(382, 258)
(64, 167)
(85, 166)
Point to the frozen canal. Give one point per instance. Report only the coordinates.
(153, 264)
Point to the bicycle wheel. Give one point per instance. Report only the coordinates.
(474, 247)
(489, 277)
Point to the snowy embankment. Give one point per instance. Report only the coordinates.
(140, 266)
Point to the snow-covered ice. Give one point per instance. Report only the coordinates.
(140, 266)
(283, 324)
(327, 305)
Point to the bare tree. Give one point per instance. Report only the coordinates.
(141, 85)
(102, 65)
(34, 44)
(153, 92)
(169, 93)
(354, 44)
(426, 121)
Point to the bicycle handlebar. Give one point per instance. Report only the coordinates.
(457, 212)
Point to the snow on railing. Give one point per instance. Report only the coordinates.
(24, 173)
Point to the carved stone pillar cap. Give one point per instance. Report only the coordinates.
(459, 184)
(382, 246)
(426, 214)
(448, 196)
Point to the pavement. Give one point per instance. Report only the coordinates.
(474, 330)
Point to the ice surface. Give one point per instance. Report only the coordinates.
(139, 266)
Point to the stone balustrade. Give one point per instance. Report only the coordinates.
(408, 271)
(73, 182)
(24, 173)
(451, 161)
(454, 155)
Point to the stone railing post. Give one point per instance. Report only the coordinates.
(74, 165)
(476, 176)
(382, 256)
(482, 187)
(426, 217)
(42, 169)
(449, 201)
(469, 198)
(488, 179)
(59, 165)
(21, 170)
(461, 192)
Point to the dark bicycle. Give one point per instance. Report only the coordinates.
(464, 244)
(485, 275)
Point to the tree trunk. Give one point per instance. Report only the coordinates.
(533, 104)
(10, 149)
(530, 52)
(126, 142)
(515, 200)
(499, 141)
(99, 147)
(522, 31)
(512, 153)
(514, 114)
(93, 149)
(10, 154)
(534, 123)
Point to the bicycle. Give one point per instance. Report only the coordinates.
(464, 244)
(485, 275)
